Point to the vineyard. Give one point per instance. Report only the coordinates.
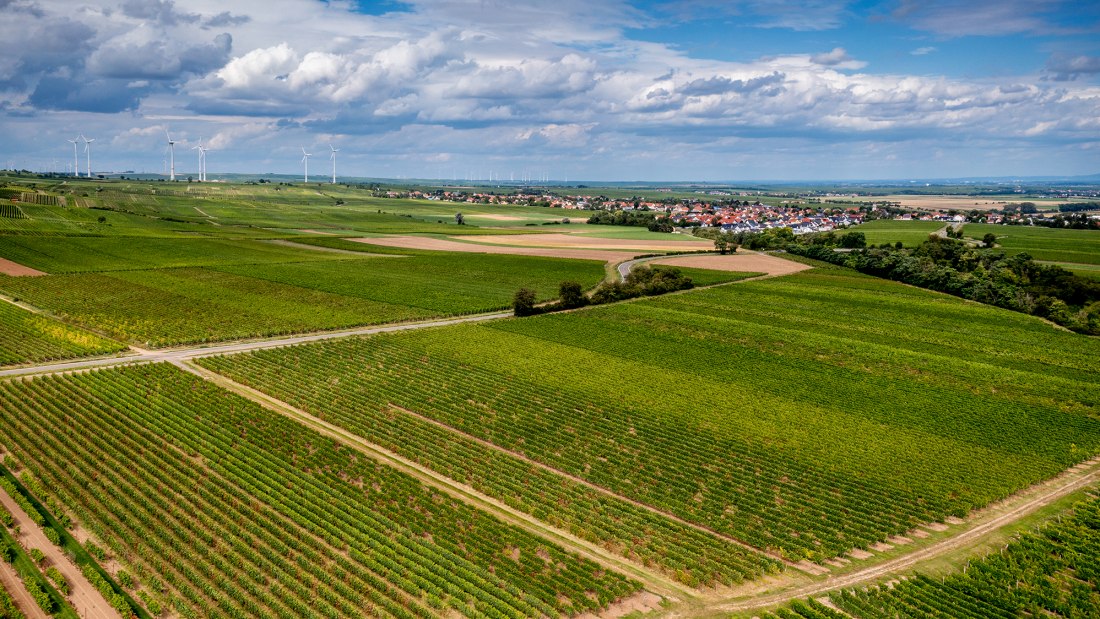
(161, 307)
(220, 508)
(800, 453)
(1052, 572)
(908, 233)
(29, 337)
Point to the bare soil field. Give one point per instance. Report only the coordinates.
(574, 241)
(419, 242)
(745, 263)
(7, 267)
(961, 203)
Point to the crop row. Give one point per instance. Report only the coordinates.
(28, 337)
(671, 403)
(694, 557)
(1049, 573)
(233, 511)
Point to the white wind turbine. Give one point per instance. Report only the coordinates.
(334, 151)
(305, 161)
(88, 152)
(76, 161)
(171, 156)
(202, 160)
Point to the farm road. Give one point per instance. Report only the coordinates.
(23, 600)
(84, 597)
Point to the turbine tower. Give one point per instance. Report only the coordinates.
(305, 161)
(334, 151)
(88, 152)
(202, 160)
(171, 155)
(76, 160)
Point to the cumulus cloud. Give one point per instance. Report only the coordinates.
(1065, 68)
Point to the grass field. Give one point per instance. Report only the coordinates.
(910, 233)
(800, 454)
(1052, 244)
(221, 508)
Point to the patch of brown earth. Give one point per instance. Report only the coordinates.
(7, 267)
(590, 242)
(640, 603)
(420, 242)
(745, 263)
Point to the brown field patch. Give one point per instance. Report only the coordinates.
(565, 240)
(7, 267)
(745, 263)
(494, 217)
(420, 242)
(959, 203)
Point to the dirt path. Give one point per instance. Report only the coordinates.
(983, 522)
(331, 250)
(7, 267)
(83, 596)
(652, 581)
(23, 599)
(605, 491)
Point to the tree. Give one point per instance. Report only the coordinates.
(459, 219)
(523, 304)
(571, 295)
(853, 240)
(721, 244)
(989, 239)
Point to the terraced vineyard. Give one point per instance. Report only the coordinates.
(1052, 572)
(221, 508)
(736, 408)
(28, 337)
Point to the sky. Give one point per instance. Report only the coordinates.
(567, 90)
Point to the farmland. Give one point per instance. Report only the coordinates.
(178, 478)
(908, 233)
(29, 337)
(1053, 244)
(787, 465)
(1051, 571)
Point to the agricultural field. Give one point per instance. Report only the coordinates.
(171, 306)
(909, 233)
(26, 337)
(802, 454)
(221, 508)
(1051, 572)
(1052, 244)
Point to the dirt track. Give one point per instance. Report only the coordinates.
(744, 262)
(7, 267)
(83, 596)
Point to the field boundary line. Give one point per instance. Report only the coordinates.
(605, 491)
(982, 522)
(11, 582)
(652, 581)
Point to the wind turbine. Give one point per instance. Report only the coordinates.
(88, 152)
(76, 161)
(305, 160)
(202, 160)
(171, 155)
(334, 151)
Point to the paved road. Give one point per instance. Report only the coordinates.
(182, 354)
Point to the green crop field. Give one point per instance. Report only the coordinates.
(820, 435)
(910, 233)
(221, 508)
(1052, 244)
(26, 337)
(161, 307)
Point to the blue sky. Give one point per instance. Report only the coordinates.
(565, 89)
